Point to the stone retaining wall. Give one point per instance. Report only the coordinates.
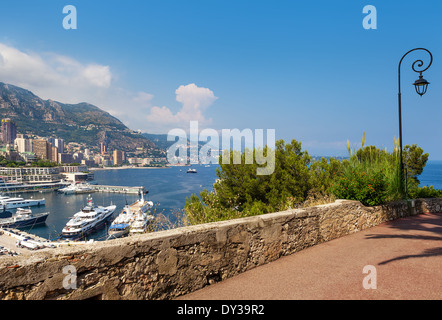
(168, 264)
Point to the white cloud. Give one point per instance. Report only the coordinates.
(195, 100)
(143, 97)
(62, 78)
(53, 76)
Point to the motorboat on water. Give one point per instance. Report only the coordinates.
(192, 171)
(90, 219)
(21, 218)
(77, 189)
(134, 218)
(7, 202)
(141, 223)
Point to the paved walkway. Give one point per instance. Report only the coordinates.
(406, 255)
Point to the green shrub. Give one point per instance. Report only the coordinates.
(425, 192)
(368, 188)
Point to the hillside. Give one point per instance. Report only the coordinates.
(82, 123)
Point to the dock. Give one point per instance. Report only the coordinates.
(119, 189)
(9, 238)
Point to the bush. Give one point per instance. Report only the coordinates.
(369, 189)
(425, 192)
(370, 175)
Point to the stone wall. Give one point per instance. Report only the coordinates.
(171, 263)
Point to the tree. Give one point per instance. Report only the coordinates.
(414, 160)
(239, 188)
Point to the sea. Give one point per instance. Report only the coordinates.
(432, 174)
(168, 189)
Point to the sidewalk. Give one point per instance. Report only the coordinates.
(406, 255)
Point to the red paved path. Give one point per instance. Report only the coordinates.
(406, 253)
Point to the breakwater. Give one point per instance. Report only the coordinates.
(167, 264)
(118, 189)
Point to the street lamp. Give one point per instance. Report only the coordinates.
(421, 86)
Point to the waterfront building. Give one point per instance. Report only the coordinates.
(118, 157)
(139, 161)
(31, 175)
(73, 169)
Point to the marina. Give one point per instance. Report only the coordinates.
(168, 190)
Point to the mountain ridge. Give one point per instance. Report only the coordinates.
(81, 122)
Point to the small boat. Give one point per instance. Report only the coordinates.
(22, 218)
(192, 171)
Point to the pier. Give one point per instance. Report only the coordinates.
(119, 189)
(10, 238)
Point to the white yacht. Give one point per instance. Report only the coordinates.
(134, 218)
(77, 189)
(22, 218)
(141, 223)
(13, 203)
(87, 221)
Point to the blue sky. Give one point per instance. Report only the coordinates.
(307, 69)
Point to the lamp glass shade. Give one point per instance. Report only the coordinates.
(421, 86)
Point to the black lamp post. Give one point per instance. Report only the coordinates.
(421, 86)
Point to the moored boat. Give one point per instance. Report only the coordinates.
(77, 189)
(90, 219)
(14, 203)
(22, 218)
(134, 218)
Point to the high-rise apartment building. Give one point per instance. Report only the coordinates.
(8, 131)
(42, 149)
(23, 144)
(118, 157)
(58, 143)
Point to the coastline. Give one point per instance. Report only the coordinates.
(126, 167)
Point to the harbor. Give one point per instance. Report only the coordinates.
(168, 190)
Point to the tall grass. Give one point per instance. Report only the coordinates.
(371, 161)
